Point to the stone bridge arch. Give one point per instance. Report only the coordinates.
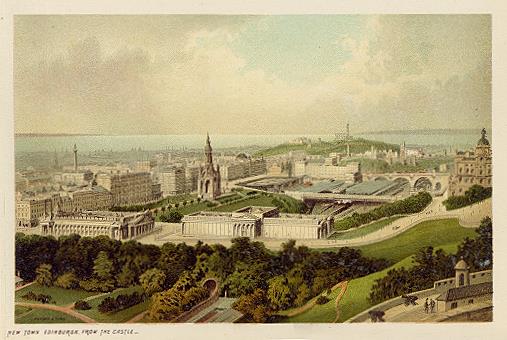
(423, 183)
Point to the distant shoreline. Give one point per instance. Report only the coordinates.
(381, 132)
(55, 134)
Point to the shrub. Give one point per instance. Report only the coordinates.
(42, 298)
(122, 301)
(322, 300)
(94, 285)
(409, 205)
(82, 305)
(474, 194)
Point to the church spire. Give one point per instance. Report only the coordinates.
(208, 151)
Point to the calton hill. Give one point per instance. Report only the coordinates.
(104, 280)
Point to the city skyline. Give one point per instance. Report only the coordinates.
(189, 74)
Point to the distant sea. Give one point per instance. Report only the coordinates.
(87, 143)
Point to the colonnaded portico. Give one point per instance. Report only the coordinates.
(256, 222)
(116, 225)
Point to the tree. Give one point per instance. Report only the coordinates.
(174, 216)
(193, 296)
(279, 293)
(165, 305)
(254, 306)
(103, 267)
(67, 281)
(152, 281)
(44, 276)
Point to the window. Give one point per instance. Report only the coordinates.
(471, 301)
(461, 279)
(454, 305)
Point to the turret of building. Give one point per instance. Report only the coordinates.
(472, 167)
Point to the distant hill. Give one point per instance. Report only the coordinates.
(357, 145)
(423, 132)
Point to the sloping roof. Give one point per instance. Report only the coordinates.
(461, 265)
(464, 292)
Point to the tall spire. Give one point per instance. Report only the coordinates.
(208, 151)
(75, 157)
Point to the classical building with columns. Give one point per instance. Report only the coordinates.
(208, 182)
(472, 167)
(255, 222)
(116, 225)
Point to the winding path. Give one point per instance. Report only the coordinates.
(344, 286)
(66, 310)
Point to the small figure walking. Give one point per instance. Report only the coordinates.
(426, 306)
(432, 305)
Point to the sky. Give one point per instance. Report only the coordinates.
(239, 74)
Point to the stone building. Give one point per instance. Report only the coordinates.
(465, 291)
(116, 225)
(472, 167)
(208, 182)
(191, 178)
(329, 169)
(243, 166)
(91, 198)
(129, 188)
(256, 222)
(172, 180)
(31, 210)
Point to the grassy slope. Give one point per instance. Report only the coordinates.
(358, 232)
(355, 299)
(46, 316)
(62, 297)
(120, 316)
(435, 233)
(441, 234)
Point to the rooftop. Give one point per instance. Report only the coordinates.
(369, 187)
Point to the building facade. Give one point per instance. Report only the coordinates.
(328, 169)
(472, 167)
(129, 188)
(116, 225)
(91, 198)
(172, 181)
(209, 180)
(255, 222)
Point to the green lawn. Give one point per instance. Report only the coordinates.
(61, 297)
(353, 301)
(361, 231)
(436, 233)
(260, 201)
(441, 234)
(46, 316)
(120, 316)
(18, 310)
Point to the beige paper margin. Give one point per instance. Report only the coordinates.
(494, 330)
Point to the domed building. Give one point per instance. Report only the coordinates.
(472, 167)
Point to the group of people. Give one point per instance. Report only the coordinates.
(429, 306)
